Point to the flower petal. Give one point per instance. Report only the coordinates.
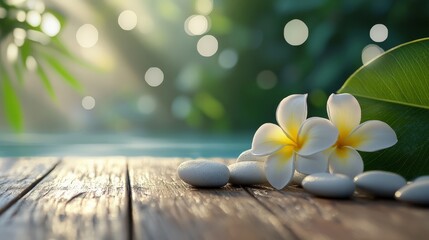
(279, 167)
(268, 139)
(291, 113)
(315, 163)
(371, 136)
(344, 112)
(346, 161)
(316, 134)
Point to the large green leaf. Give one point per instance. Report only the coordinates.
(394, 88)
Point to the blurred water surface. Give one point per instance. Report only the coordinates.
(178, 145)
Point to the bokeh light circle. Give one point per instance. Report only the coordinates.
(3, 13)
(50, 25)
(379, 33)
(88, 103)
(228, 58)
(31, 63)
(146, 104)
(19, 36)
(87, 36)
(33, 18)
(21, 16)
(204, 7)
(181, 107)
(127, 20)
(207, 46)
(196, 25)
(370, 52)
(295, 32)
(12, 52)
(266, 79)
(154, 76)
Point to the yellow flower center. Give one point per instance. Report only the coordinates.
(349, 141)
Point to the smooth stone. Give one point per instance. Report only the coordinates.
(329, 185)
(379, 183)
(422, 178)
(415, 193)
(204, 173)
(248, 156)
(247, 173)
(298, 177)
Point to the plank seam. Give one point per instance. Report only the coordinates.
(129, 194)
(292, 232)
(28, 189)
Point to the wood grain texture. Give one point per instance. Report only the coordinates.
(143, 198)
(310, 217)
(18, 176)
(166, 208)
(80, 199)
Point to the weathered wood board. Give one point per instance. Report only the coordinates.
(81, 199)
(166, 208)
(143, 198)
(310, 217)
(19, 176)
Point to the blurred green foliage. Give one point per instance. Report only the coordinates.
(230, 99)
(213, 98)
(28, 32)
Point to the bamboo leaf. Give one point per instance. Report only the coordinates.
(61, 49)
(12, 107)
(63, 72)
(46, 83)
(18, 69)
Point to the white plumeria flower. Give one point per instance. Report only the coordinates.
(345, 113)
(296, 140)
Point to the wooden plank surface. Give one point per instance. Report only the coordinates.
(80, 199)
(18, 176)
(143, 198)
(310, 217)
(166, 208)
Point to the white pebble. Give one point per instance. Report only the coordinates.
(298, 177)
(415, 193)
(247, 173)
(422, 178)
(248, 156)
(204, 173)
(329, 185)
(379, 183)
